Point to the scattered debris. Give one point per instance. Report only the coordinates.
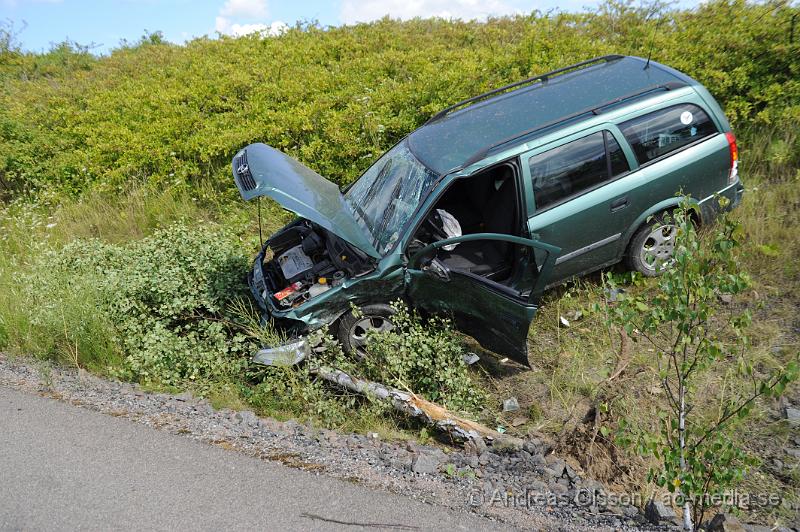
(471, 358)
(510, 405)
(563, 321)
(519, 421)
(659, 513)
(612, 295)
(624, 355)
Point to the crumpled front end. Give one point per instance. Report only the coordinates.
(304, 279)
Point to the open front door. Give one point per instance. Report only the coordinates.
(497, 316)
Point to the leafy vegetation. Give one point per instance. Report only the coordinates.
(422, 356)
(336, 98)
(123, 243)
(682, 320)
(151, 310)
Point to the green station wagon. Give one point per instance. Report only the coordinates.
(491, 201)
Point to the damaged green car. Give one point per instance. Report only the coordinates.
(490, 202)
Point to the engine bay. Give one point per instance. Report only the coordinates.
(306, 261)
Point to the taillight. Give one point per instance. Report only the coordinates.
(734, 171)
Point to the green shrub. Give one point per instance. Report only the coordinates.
(160, 302)
(425, 357)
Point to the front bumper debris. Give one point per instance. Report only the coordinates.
(284, 355)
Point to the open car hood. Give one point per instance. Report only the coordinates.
(261, 170)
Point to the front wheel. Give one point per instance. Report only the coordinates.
(353, 329)
(651, 247)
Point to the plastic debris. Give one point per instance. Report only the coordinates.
(510, 405)
(471, 358)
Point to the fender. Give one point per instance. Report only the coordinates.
(665, 205)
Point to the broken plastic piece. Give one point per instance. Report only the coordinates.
(471, 358)
(283, 355)
(510, 405)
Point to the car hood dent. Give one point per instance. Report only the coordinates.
(261, 170)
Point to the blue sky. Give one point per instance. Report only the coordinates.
(105, 23)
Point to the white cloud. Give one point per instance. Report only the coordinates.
(242, 17)
(353, 11)
(226, 27)
(244, 9)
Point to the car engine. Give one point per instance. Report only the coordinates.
(307, 260)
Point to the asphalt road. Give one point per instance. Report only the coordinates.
(66, 468)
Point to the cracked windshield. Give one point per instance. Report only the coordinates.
(388, 194)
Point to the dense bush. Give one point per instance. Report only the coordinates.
(161, 304)
(172, 310)
(335, 98)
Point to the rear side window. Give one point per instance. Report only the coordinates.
(575, 167)
(666, 130)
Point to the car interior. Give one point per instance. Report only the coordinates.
(484, 203)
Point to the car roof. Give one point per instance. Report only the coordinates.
(460, 136)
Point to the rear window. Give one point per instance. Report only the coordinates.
(575, 167)
(666, 130)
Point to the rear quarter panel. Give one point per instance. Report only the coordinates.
(699, 170)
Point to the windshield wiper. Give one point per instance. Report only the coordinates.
(392, 207)
(357, 209)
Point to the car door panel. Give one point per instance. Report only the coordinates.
(588, 225)
(496, 316)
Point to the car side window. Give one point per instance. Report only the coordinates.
(666, 130)
(575, 167)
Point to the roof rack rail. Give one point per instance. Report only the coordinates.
(541, 77)
(595, 109)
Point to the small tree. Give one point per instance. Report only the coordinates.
(683, 320)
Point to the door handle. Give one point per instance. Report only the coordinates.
(619, 204)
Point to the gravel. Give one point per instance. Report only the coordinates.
(529, 488)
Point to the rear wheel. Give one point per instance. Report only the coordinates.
(651, 247)
(353, 329)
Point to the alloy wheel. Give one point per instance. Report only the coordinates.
(657, 249)
(361, 328)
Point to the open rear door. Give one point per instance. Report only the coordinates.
(494, 314)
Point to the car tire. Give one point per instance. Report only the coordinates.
(651, 247)
(352, 330)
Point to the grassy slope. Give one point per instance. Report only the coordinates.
(120, 146)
